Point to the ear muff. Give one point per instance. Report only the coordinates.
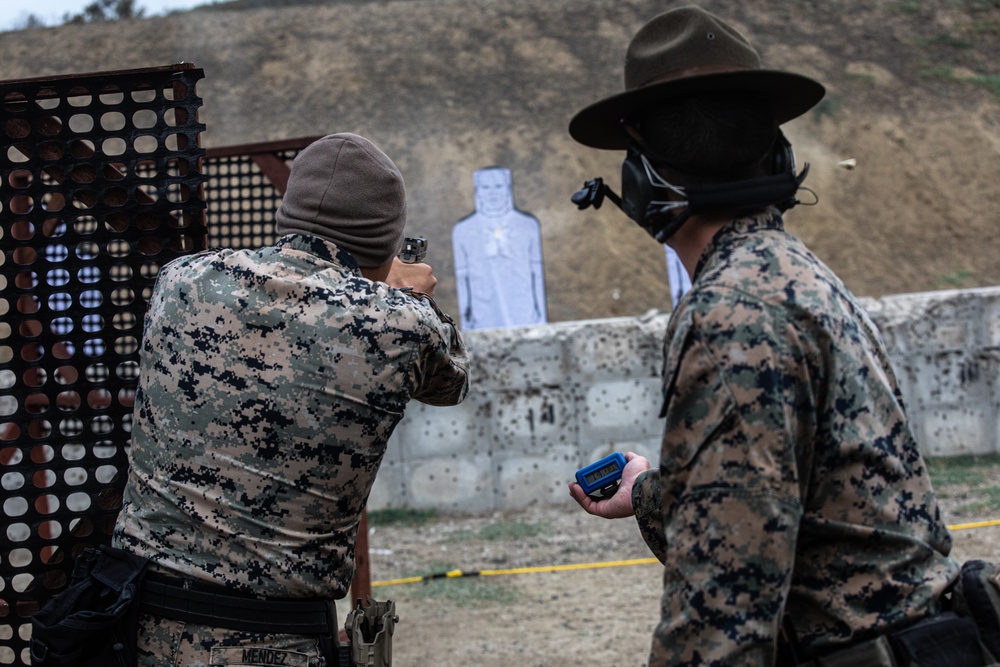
(637, 190)
(783, 160)
(783, 163)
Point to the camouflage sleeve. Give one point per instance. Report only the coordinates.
(647, 502)
(731, 507)
(443, 373)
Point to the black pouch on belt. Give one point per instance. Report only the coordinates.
(977, 596)
(945, 640)
(92, 623)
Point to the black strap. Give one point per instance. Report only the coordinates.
(789, 649)
(235, 612)
(752, 193)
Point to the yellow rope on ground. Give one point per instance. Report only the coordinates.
(976, 524)
(564, 568)
(397, 582)
(454, 574)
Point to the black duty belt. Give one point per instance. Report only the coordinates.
(163, 597)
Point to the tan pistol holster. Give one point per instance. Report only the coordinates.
(369, 633)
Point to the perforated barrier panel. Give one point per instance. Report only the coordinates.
(245, 186)
(102, 184)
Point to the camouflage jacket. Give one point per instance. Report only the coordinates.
(270, 382)
(789, 478)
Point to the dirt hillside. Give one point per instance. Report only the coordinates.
(446, 87)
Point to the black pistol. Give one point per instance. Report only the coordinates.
(414, 250)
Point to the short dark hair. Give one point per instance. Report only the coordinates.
(712, 138)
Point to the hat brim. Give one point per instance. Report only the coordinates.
(600, 124)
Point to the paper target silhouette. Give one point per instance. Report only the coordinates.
(677, 277)
(498, 258)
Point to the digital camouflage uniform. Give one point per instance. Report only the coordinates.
(789, 478)
(270, 384)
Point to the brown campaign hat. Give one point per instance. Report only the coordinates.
(687, 51)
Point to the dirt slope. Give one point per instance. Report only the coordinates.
(450, 86)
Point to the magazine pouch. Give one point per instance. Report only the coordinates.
(92, 623)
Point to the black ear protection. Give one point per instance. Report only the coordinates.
(639, 193)
(783, 157)
(645, 196)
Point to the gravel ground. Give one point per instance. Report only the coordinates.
(592, 615)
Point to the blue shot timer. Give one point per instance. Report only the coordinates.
(600, 479)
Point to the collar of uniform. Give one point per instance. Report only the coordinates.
(325, 250)
(769, 219)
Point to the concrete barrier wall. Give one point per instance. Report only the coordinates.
(945, 347)
(547, 400)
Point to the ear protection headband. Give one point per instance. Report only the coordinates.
(645, 197)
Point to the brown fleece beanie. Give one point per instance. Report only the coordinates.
(342, 188)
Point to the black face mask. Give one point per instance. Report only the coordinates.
(645, 194)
